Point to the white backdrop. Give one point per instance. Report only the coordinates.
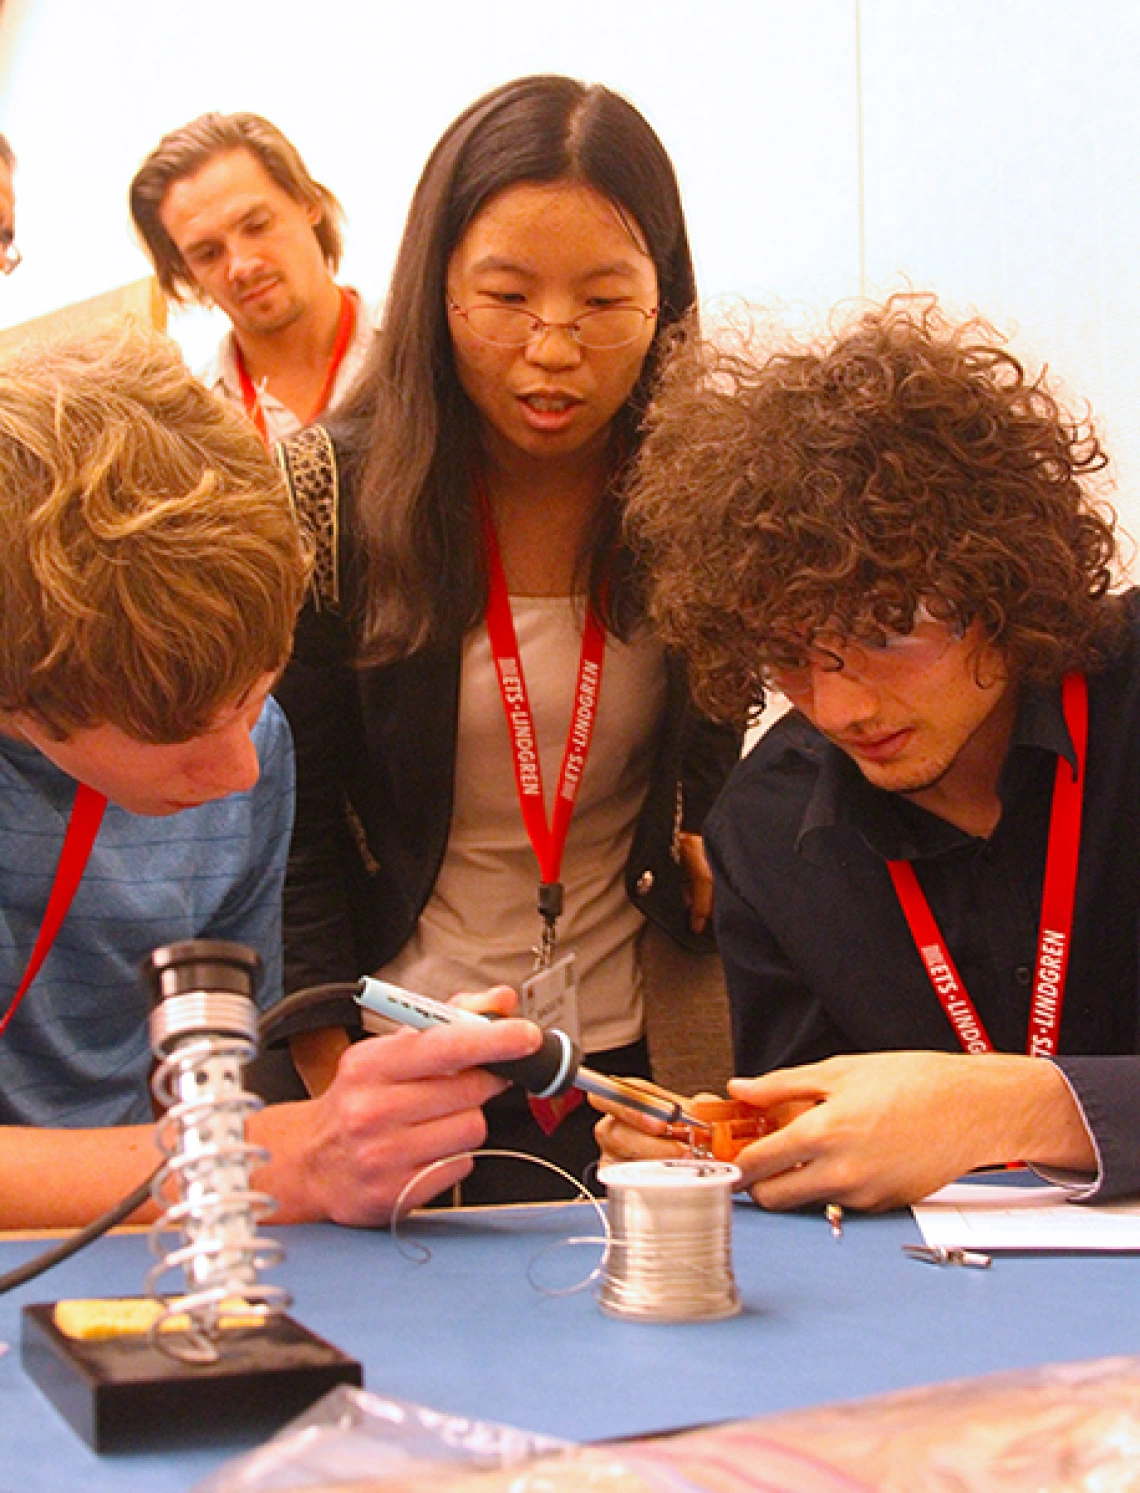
(985, 148)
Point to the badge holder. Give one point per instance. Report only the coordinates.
(549, 997)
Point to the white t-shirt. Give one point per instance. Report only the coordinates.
(481, 923)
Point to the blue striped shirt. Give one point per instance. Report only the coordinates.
(77, 1052)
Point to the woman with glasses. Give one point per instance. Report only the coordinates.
(499, 772)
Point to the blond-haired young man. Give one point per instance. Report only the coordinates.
(151, 573)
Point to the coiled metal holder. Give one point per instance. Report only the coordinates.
(203, 1031)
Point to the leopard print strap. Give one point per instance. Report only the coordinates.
(308, 462)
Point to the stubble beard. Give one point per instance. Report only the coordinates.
(273, 321)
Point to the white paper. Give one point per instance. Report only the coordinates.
(975, 1215)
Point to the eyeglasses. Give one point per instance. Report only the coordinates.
(880, 658)
(511, 326)
(10, 257)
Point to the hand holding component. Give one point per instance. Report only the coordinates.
(646, 1131)
(881, 1130)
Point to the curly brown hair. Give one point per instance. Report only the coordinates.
(904, 462)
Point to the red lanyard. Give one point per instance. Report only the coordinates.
(1057, 901)
(251, 399)
(82, 827)
(548, 841)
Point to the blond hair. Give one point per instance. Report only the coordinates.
(185, 151)
(151, 565)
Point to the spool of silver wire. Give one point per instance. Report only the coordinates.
(669, 1257)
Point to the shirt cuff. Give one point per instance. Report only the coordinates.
(1096, 1087)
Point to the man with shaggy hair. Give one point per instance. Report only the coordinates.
(231, 216)
(151, 570)
(926, 873)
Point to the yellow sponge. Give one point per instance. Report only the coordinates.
(129, 1316)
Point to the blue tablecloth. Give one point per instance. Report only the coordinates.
(468, 1332)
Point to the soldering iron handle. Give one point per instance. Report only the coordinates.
(546, 1073)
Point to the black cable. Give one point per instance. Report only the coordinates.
(40, 1263)
(270, 1025)
(280, 1021)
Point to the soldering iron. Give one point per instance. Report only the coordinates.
(545, 1074)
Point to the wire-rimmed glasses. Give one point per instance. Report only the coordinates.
(511, 326)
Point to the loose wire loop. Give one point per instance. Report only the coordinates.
(208, 1165)
(421, 1254)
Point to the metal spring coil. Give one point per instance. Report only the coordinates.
(670, 1249)
(208, 1165)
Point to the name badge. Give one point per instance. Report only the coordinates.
(550, 997)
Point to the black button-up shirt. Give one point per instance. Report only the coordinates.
(819, 956)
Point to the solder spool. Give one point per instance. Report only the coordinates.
(669, 1257)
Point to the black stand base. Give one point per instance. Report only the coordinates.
(121, 1393)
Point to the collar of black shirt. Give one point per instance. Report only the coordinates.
(897, 829)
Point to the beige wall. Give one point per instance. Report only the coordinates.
(141, 301)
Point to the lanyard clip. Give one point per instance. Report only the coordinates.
(544, 950)
(550, 901)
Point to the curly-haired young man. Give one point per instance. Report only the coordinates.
(896, 529)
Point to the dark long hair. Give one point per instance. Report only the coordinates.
(411, 434)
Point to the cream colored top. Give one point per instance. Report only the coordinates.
(481, 923)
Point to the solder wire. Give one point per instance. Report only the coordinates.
(665, 1240)
(670, 1250)
(422, 1253)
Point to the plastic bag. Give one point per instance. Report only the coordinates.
(351, 1438)
(1061, 1428)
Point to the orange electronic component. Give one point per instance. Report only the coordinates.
(733, 1125)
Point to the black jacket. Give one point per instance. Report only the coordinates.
(375, 782)
(818, 956)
